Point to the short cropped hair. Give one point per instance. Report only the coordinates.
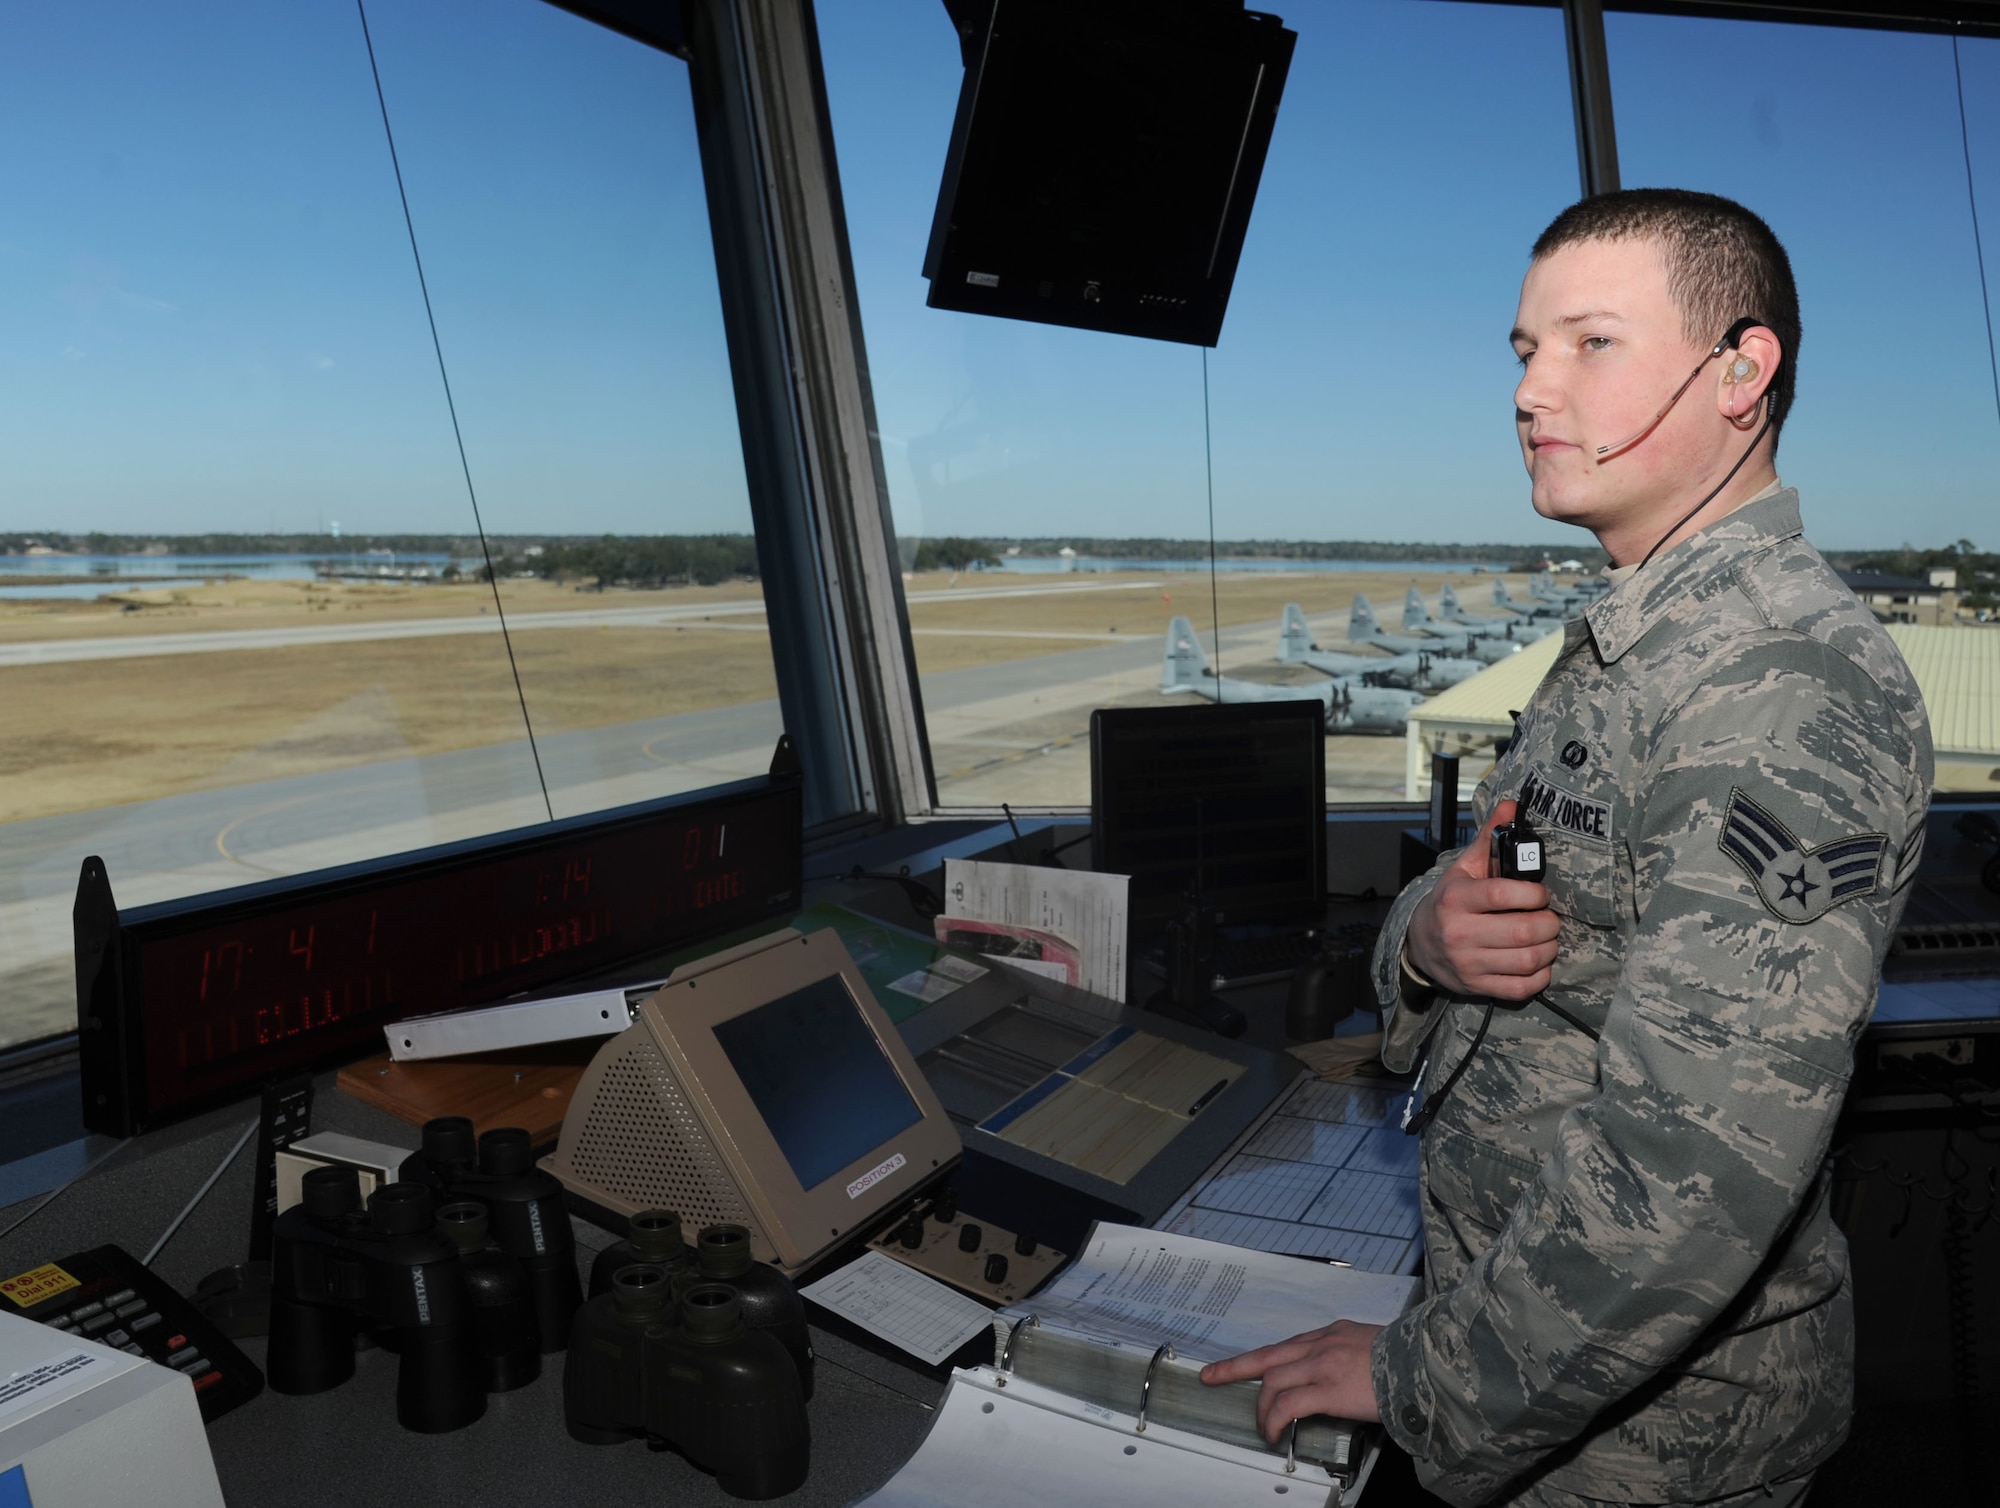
(1723, 263)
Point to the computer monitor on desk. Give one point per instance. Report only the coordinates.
(768, 1090)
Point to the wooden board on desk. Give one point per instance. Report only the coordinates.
(524, 1086)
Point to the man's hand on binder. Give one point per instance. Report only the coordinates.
(1324, 1371)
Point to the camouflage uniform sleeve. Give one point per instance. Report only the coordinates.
(1407, 1017)
(1755, 946)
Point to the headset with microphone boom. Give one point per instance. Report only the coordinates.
(1742, 369)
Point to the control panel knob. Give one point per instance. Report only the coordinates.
(1025, 1244)
(970, 1236)
(996, 1268)
(912, 1234)
(944, 1208)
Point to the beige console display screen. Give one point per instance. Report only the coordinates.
(816, 1072)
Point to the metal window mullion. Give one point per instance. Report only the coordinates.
(833, 402)
(805, 641)
(1590, 96)
(876, 564)
(783, 217)
(807, 375)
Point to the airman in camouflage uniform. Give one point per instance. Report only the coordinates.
(1634, 1289)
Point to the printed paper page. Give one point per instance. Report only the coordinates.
(902, 1306)
(1086, 910)
(1206, 1299)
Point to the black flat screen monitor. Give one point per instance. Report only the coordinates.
(1103, 163)
(1227, 800)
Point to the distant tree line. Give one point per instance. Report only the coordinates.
(668, 559)
(642, 560)
(1307, 549)
(608, 560)
(953, 554)
(95, 543)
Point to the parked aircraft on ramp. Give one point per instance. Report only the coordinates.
(1542, 585)
(1451, 611)
(1484, 639)
(1364, 628)
(1533, 609)
(1351, 707)
(1419, 670)
(1518, 629)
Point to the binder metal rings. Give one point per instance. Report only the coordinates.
(1146, 1388)
(1292, 1449)
(1006, 1362)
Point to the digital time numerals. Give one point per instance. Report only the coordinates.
(264, 984)
(279, 985)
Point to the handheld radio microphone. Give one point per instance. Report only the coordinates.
(1728, 342)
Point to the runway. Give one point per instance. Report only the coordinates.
(1017, 730)
(117, 645)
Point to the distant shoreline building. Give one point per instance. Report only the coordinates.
(1907, 599)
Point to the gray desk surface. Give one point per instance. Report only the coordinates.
(345, 1447)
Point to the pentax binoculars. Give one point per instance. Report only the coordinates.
(524, 1210)
(685, 1372)
(721, 1254)
(456, 1310)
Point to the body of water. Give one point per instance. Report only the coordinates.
(1081, 564)
(120, 573)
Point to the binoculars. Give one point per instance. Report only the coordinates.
(524, 1208)
(687, 1373)
(721, 1254)
(457, 1312)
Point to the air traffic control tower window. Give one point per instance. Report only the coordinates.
(1052, 487)
(1851, 144)
(247, 622)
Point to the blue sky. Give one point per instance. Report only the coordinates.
(209, 317)
(209, 320)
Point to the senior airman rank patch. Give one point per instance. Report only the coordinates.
(1796, 883)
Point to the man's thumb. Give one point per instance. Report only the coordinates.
(1476, 857)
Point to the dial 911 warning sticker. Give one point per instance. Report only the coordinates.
(29, 1288)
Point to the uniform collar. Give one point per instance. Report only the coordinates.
(1620, 618)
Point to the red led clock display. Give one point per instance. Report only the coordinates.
(240, 994)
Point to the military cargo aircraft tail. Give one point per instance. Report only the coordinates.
(1416, 617)
(1186, 663)
(1450, 609)
(1295, 639)
(1362, 624)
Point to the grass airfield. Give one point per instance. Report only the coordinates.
(86, 734)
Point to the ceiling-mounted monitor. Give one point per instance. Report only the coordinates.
(1103, 163)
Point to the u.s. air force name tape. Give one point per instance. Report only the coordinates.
(1548, 805)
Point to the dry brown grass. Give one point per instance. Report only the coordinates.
(97, 733)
